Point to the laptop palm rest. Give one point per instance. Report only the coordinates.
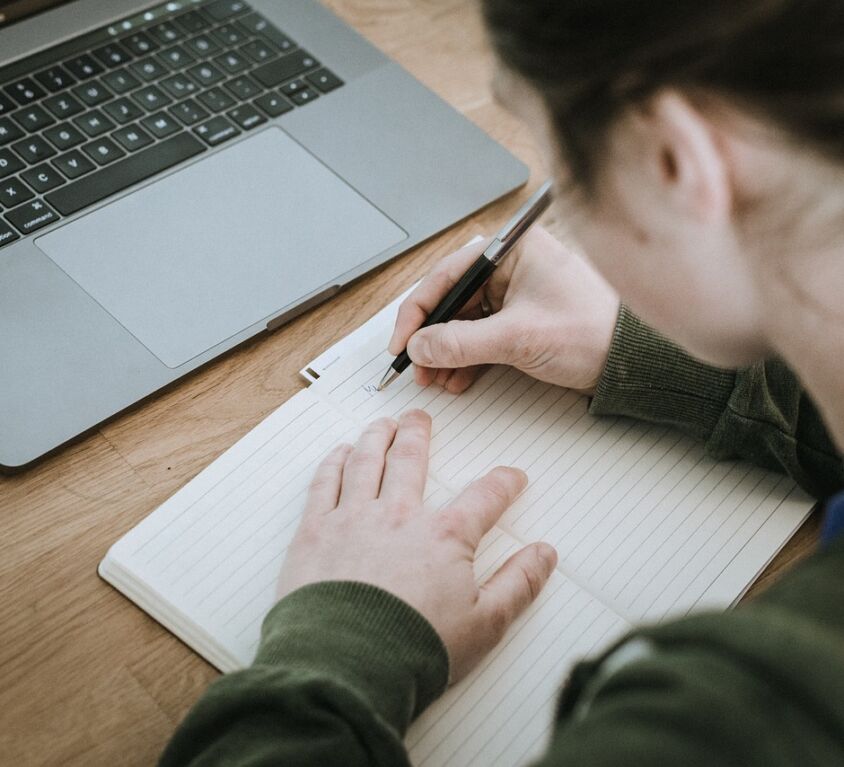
(209, 251)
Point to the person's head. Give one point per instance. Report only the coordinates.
(699, 146)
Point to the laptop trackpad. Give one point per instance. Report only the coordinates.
(193, 259)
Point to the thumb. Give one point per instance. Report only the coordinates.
(515, 585)
(461, 343)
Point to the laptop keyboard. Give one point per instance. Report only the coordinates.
(93, 116)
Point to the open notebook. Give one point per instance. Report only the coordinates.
(646, 526)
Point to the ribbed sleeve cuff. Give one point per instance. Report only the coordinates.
(650, 378)
(364, 638)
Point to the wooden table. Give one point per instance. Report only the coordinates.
(86, 678)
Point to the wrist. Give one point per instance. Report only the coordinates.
(364, 638)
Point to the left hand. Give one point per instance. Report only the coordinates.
(364, 521)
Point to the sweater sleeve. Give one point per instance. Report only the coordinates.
(759, 413)
(341, 671)
(761, 686)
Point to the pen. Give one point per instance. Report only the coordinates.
(478, 273)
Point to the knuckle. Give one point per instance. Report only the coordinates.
(409, 449)
(448, 526)
(533, 581)
(446, 345)
(499, 619)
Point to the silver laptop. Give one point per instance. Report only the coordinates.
(176, 178)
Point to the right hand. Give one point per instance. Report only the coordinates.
(553, 318)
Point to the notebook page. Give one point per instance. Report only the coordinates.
(639, 515)
(213, 551)
(502, 713)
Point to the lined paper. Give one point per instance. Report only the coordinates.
(639, 515)
(502, 712)
(215, 548)
(645, 524)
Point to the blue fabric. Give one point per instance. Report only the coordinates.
(833, 523)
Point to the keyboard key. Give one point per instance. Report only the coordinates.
(140, 44)
(64, 136)
(34, 149)
(120, 81)
(254, 24)
(74, 164)
(63, 106)
(216, 131)
(244, 87)
(6, 105)
(151, 98)
(94, 123)
(161, 125)
(288, 89)
(42, 178)
(220, 10)
(216, 100)
(206, 74)
(92, 93)
(123, 111)
(324, 81)
(83, 67)
(7, 234)
(137, 167)
(148, 69)
(132, 138)
(273, 104)
(13, 192)
(259, 52)
(192, 22)
(9, 163)
(304, 96)
(247, 117)
(24, 91)
(55, 79)
(103, 151)
(286, 68)
(113, 55)
(232, 62)
(176, 57)
(166, 33)
(230, 35)
(188, 112)
(9, 131)
(32, 118)
(203, 45)
(31, 217)
(179, 86)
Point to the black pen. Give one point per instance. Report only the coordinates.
(478, 273)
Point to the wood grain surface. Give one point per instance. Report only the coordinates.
(86, 678)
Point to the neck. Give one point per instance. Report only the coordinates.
(804, 289)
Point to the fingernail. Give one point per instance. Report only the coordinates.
(419, 350)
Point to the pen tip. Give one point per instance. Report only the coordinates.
(390, 376)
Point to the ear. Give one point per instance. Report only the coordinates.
(684, 158)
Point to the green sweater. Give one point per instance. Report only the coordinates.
(344, 668)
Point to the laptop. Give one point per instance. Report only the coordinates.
(177, 177)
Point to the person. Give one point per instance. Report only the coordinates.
(700, 164)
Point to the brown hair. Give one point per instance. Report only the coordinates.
(590, 59)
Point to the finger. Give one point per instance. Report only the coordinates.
(424, 376)
(415, 309)
(324, 490)
(479, 506)
(406, 469)
(461, 343)
(463, 378)
(515, 585)
(365, 464)
(442, 376)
